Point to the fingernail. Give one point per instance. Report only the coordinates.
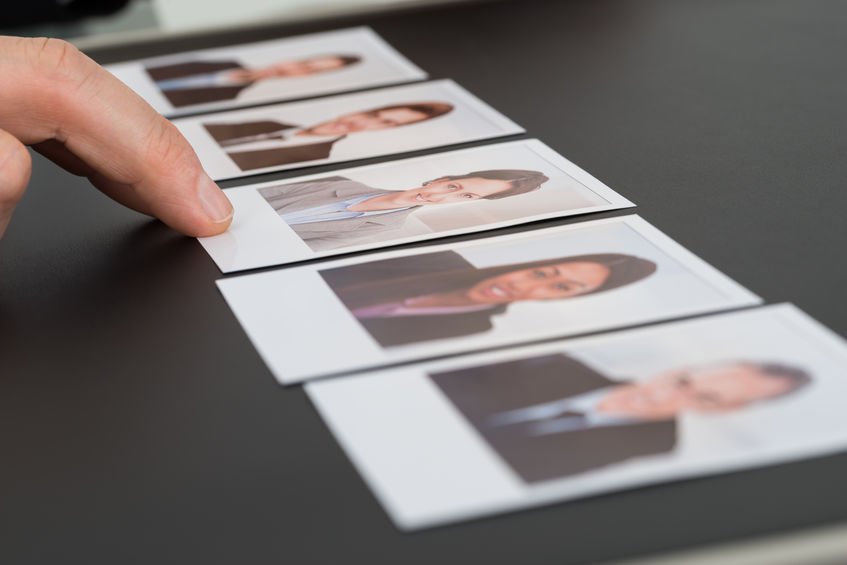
(215, 203)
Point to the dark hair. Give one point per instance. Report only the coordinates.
(522, 181)
(429, 109)
(388, 279)
(796, 377)
(623, 269)
(346, 60)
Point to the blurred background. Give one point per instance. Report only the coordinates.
(100, 23)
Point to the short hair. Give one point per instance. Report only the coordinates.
(429, 109)
(522, 181)
(346, 60)
(797, 378)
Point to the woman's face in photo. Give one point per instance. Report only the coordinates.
(550, 282)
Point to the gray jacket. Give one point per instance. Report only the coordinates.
(334, 234)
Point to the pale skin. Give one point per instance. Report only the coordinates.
(304, 67)
(365, 121)
(707, 390)
(71, 110)
(439, 191)
(550, 282)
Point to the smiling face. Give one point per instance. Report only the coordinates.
(560, 280)
(306, 66)
(367, 121)
(712, 389)
(447, 191)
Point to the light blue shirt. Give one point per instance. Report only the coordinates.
(206, 80)
(545, 419)
(333, 211)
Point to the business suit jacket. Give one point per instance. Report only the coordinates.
(481, 392)
(332, 234)
(226, 134)
(391, 280)
(199, 95)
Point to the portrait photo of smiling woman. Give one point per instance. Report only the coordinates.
(441, 295)
(410, 304)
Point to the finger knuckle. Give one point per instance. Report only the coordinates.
(55, 81)
(56, 57)
(166, 145)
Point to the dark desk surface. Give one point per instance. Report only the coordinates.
(138, 424)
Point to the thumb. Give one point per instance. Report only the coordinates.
(15, 168)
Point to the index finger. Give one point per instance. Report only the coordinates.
(61, 94)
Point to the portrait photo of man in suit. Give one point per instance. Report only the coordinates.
(553, 416)
(200, 82)
(336, 211)
(269, 143)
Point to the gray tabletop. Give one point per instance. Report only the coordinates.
(138, 424)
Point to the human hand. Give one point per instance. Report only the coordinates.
(77, 114)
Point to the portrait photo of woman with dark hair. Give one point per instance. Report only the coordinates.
(441, 295)
(410, 304)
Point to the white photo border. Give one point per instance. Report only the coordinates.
(365, 443)
(133, 71)
(259, 238)
(268, 328)
(220, 166)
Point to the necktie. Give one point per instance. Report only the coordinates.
(566, 422)
(251, 139)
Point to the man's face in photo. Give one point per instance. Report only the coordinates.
(711, 389)
(448, 191)
(368, 121)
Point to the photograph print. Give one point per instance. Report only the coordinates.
(529, 426)
(402, 201)
(417, 303)
(265, 72)
(519, 286)
(552, 416)
(341, 128)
